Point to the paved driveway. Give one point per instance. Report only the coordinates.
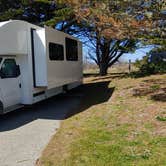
(25, 132)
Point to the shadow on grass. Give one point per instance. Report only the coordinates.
(138, 74)
(108, 76)
(90, 75)
(97, 75)
(159, 97)
(93, 94)
(117, 75)
(154, 88)
(59, 107)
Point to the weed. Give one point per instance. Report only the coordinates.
(161, 118)
(155, 87)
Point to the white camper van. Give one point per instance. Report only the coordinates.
(36, 63)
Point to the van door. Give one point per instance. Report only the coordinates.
(10, 82)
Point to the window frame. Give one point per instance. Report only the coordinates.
(70, 50)
(52, 54)
(15, 73)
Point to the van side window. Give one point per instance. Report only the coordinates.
(71, 49)
(56, 52)
(0, 60)
(9, 69)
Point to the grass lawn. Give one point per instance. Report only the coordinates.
(122, 122)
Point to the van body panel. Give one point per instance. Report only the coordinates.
(67, 71)
(1, 103)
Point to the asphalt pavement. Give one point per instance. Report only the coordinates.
(25, 132)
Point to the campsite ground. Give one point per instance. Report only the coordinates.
(119, 121)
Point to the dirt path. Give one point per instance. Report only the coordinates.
(24, 133)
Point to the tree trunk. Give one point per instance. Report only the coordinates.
(103, 65)
(103, 69)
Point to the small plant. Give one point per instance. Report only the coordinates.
(146, 154)
(155, 87)
(161, 118)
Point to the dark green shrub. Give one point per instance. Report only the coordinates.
(146, 66)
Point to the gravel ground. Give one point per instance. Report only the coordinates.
(24, 133)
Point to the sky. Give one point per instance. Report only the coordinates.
(138, 54)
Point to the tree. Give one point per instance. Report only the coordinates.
(108, 51)
(114, 26)
(36, 12)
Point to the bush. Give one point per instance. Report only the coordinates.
(147, 67)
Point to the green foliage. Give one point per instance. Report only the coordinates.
(37, 12)
(10, 9)
(11, 14)
(147, 67)
(62, 14)
(155, 87)
(160, 118)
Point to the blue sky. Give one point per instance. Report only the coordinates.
(138, 54)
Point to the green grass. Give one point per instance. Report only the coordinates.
(103, 148)
(160, 118)
(100, 147)
(155, 87)
(117, 132)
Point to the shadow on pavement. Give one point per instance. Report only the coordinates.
(59, 107)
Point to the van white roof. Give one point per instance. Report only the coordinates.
(13, 37)
(3, 23)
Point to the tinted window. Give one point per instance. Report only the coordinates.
(56, 52)
(71, 50)
(0, 60)
(9, 68)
